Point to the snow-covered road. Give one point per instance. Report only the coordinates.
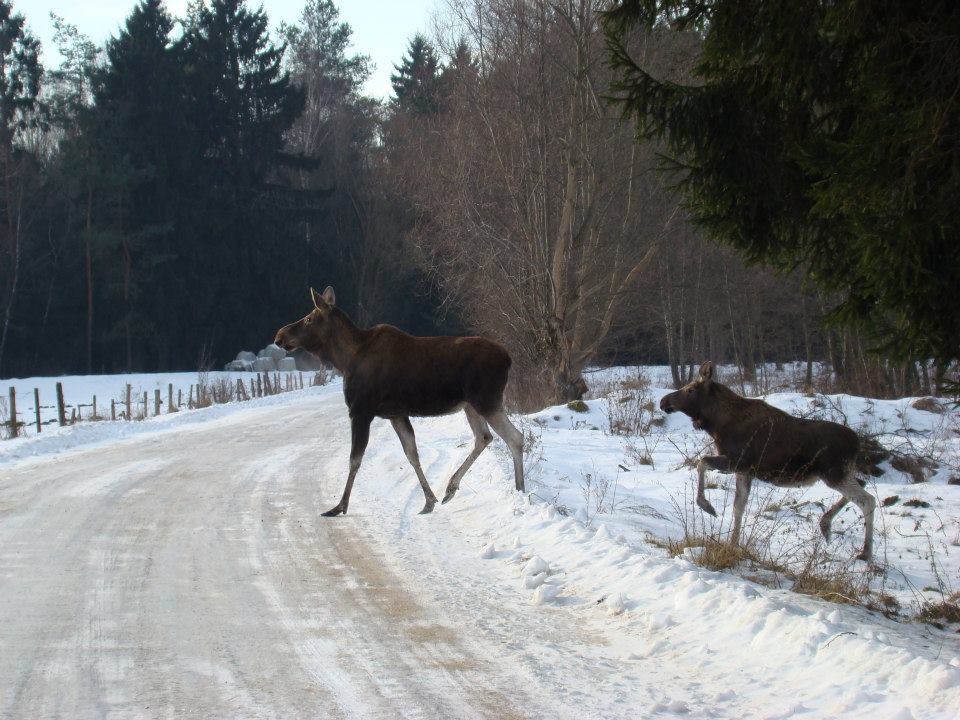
(188, 574)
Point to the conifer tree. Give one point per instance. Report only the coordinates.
(317, 54)
(20, 73)
(136, 128)
(239, 104)
(416, 84)
(461, 72)
(820, 135)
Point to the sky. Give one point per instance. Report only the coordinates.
(381, 29)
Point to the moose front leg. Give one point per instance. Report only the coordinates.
(711, 462)
(360, 434)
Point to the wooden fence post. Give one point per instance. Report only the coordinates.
(259, 386)
(36, 407)
(170, 407)
(61, 412)
(94, 415)
(156, 402)
(179, 398)
(113, 409)
(14, 429)
(129, 406)
(146, 408)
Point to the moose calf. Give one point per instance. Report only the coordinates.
(389, 374)
(756, 440)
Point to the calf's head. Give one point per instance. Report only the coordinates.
(313, 332)
(692, 397)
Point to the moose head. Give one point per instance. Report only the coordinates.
(692, 397)
(316, 331)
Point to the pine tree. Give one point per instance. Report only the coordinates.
(824, 136)
(416, 84)
(317, 55)
(20, 73)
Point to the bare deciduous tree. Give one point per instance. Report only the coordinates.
(537, 211)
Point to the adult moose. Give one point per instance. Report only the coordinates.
(756, 440)
(389, 374)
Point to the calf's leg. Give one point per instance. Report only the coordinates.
(409, 442)
(851, 490)
(360, 434)
(481, 438)
(514, 438)
(744, 482)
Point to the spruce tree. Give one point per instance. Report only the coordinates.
(416, 84)
(460, 73)
(136, 128)
(19, 75)
(819, 135)
(239, 104)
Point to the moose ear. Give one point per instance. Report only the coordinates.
(706, 371)
(318, 302)
(329, 297)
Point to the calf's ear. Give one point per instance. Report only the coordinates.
(706, 370)
(329, 297)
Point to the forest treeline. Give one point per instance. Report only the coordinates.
(168, 198)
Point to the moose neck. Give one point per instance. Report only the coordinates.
(343, 342)
(716, 410)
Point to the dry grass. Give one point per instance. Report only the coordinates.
(710, 553)
(833, 582)
(941, 613)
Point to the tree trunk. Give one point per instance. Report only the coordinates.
(88, 266)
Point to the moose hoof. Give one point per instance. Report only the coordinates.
(865, 555)
(334, 511)
(448, 496)
(428, 508)
(705, 505)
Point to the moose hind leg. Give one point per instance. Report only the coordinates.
(852, 490)
(514, 438)
(409, 442)
(360, 434)
(740, 497)
(481, 438)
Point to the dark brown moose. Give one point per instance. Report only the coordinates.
(756, 440)
(392, 375)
